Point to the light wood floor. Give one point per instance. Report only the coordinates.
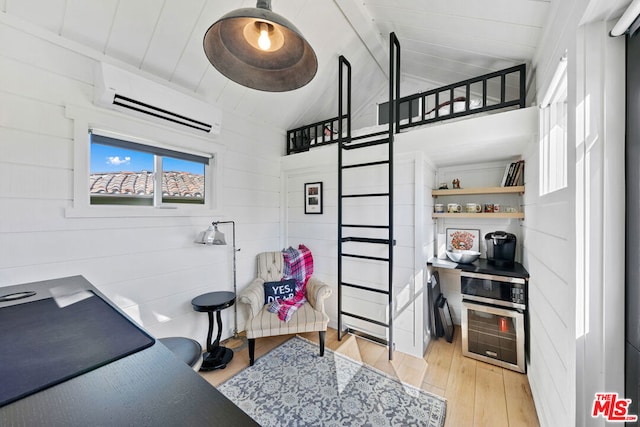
(477, 394)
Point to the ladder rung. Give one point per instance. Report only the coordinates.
(366, 319)
(364, 226)
(366, 195)
(366, 240)
(371, 135)
(374, 258)
(353, 146)
(367, 336)
(365, 288)
(361, 165)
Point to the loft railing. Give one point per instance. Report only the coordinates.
(433, 105)
(471, 93)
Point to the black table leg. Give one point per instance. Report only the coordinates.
(216, 356)
(219, 319)
(209, 346)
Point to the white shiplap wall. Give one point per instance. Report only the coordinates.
(549, 233)
(416, 173)
(319, 233)
(316, 231)
(474, 150)
(148, 265)
(574, 243)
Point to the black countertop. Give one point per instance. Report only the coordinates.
(481, 266)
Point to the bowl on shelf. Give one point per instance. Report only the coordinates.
(462, 256)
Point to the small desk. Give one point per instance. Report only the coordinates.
(483, 266)
(216, 356)
(148, 388)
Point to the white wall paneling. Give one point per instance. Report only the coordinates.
(549, 227)
(483, 139)
(425, 237)
(149, 265)
(572, 241)
(420, 165)
(600, 190)
(319, 233)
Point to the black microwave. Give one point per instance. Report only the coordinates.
(493, 289)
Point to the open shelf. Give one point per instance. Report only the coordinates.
(508, 215)
(478, 190)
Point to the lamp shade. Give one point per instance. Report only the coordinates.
(212, 236)
(260, 49)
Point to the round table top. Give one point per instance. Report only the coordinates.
(213, 301)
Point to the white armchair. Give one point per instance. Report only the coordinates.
(310, 317)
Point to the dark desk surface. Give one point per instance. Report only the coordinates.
(148, 388)
(482, 266)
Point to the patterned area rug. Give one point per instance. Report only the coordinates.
(293, 386)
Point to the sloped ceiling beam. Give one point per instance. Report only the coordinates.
(362, 23)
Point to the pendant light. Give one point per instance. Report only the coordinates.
(260, 49)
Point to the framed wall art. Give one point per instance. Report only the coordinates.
(463, 239)
(313, 198)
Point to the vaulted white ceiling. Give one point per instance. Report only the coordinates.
(443, 41)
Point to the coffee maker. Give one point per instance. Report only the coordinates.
(501, 248)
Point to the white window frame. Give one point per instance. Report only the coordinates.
(118, 125)
(553, 133)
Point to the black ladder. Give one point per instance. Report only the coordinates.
(373, 241)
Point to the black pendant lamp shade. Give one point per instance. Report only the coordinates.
(260, 49)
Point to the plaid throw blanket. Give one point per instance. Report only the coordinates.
(298, 265)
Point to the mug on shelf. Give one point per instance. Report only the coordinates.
(454, 208)
(438, 208)
(497, 208)
(473, 208)
(489, 207)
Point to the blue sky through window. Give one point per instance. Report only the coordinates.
(170, 164)
(105, 158)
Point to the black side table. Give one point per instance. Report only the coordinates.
(216, 356)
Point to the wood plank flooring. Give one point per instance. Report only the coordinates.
(478, 394)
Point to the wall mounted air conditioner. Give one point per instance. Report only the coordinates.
(125, 91)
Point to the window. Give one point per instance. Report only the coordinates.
(123, 172)
(553, 133)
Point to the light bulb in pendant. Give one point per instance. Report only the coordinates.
(264, 41)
